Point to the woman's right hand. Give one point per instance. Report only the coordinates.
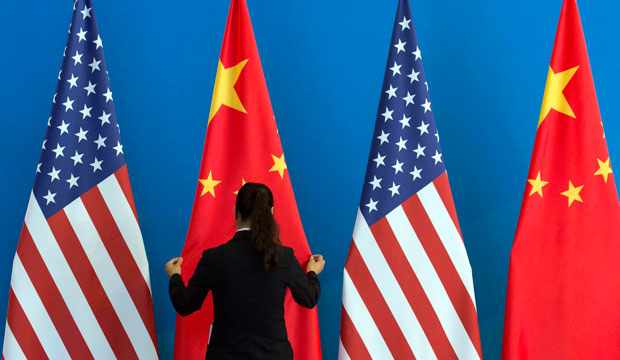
(316, 264)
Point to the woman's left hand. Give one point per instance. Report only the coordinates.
(174, 266)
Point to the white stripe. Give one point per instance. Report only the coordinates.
(390, 289)
(362, 321)
(110, 279)
(36, 313)
(342, 352)
(65, 281)
(11, 349)
(432, 285)
(449, 235)
(126, 221)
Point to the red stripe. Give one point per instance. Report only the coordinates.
(22, 330)
(444, 267)
(91, 286)
(121, 257)
(445, 193)
(51, 298)
(413, 290)
(377, 307)
(122, 176)
(351, 340)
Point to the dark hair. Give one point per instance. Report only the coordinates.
(254, 202)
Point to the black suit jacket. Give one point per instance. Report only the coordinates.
(248, 301)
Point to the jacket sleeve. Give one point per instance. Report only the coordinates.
(305, 288)
(188, 299)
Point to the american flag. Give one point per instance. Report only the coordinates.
(407, 289)
(80, 284)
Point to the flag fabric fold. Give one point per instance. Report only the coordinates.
(408, 289)
(80, 285)
(242, 145)
(563, 297)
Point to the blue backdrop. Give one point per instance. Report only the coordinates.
(486, 63)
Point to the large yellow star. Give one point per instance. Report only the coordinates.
(278, 165)
(224, 92)
(537, 185)
(603, 169)
(572, 193)
(208, 185)
(554, 98)
(242, 183)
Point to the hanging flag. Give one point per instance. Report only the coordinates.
(407, 290)
(80, 284)
(563, 298)
(242, 145)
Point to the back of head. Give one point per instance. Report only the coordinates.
(255, 202)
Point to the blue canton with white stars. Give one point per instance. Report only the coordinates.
(82, 146)
(405, 154)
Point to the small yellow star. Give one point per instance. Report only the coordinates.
(224, 92)
(278, 165)
(572, 193)
(209, 185)
(553, 97)
(603, 169)
(537, 185)
(242, 183)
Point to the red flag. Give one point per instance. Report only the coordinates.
(563, 297)
(242, 145)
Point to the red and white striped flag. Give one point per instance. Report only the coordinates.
(80, 284)
(407, 290)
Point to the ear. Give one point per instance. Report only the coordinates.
(272, 210)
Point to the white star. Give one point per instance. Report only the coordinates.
(395, 69)
(405, 121)
(391, 92)
(387, 114)
(379, 160)
(60, 72)
(423, 128)
(77, 58)
(118, 148)
(417, 53)
(54, 174)
(427, 106)
(398, 167)
(39, 167)
(94, 65)
(86, 12)
(108, 96)
(394, 189)
(73, 181)
(376, 183)
(90, 89)
(82, 35)
(43, 147)
(81, 135)
(372, 205)
(59, 150)
(86, 111)
(416, 173)
(400, 46)
(73, 81)
(437, 157)
(426, 83)
(54, 99)
(404, 24)
(401, 144)
(105, 118)
(100, 142)
(437, 136)
(419, 151)
(409, 99)
(77, 158)
(383, 137)
(49, 197)
(68, 104)
(96, 164)
(49, 120)
(63, 128)
(413, 76)
(98, 42)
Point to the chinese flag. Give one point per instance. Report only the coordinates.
(563, 298)
(242, 145)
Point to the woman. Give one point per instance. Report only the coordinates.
(248, 277)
